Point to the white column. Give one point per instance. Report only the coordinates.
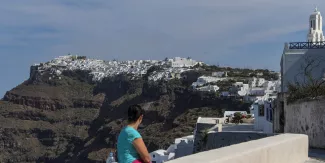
(316, 23)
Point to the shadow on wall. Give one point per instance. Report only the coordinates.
(295, 64)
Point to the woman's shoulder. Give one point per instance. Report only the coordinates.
(131, 131)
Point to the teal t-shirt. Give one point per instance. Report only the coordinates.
(126, 152)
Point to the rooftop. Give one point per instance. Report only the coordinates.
(207, 120)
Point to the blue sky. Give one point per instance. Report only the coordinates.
(236, 33)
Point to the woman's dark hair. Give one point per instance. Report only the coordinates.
(134, 113)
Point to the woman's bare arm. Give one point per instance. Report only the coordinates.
(142, 150)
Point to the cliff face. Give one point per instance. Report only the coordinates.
(72, 119)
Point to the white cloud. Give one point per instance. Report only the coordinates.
(152, 28)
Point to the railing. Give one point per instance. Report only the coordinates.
(307, 45)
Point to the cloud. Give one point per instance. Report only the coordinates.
(149, 28)
(208, 30)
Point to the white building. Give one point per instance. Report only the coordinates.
(208, 88)
(257, 82)
(100, 69)
(182, 147)
(219, 74)
(159, 156)
(182, 62)
(244, 90)
(297, 55)
(207, 79)
(315, 33)
(263, 114)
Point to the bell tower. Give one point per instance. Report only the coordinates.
(315, 33)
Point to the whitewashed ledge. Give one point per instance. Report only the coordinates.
(284, 148)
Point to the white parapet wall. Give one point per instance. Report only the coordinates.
(284, 148)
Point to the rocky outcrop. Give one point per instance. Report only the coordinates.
(72, 119)
(52, 104)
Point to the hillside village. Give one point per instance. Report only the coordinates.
(250, 85)
(101, 69)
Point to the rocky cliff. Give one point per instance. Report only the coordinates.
(72, 119)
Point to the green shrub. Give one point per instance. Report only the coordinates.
(238, 115)
(248, 116)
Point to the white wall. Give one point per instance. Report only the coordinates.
(158, 157)
(260, 122)
(293, 59)
(284, 148)
(184, 148)
(268, 127)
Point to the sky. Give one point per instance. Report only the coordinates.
(237, 33)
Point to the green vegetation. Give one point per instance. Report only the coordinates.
(225, 85)
(240, 72)
(248, 116)
(309, 86)
(237, 118)
(301, 91)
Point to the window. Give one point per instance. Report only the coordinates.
(314, 24)
(311, 24)
(261, 110)
(153, 161)
(153, 156)
(267, 113)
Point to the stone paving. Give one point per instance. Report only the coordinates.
(317, 154)
(314, 161)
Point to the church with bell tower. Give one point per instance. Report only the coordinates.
(315, 33)
(296, 54)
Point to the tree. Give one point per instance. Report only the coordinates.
(237, 118)
(306, 83)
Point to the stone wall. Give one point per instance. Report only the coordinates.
(307, 117)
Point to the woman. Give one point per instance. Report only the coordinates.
(130, 146)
